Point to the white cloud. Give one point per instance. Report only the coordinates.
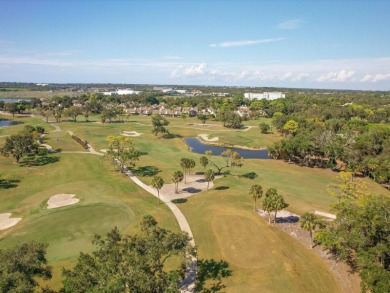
(286, 76)
(365, 73)
(245, 43)
(192, 70)
(375, 77)
(299, 77)
(340, 76)
(290, 24)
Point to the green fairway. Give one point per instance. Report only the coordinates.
(262, 258)
(107, 199)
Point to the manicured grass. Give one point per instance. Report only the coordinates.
(262, 258)
(305, 189)
(62, 141)
(107, 199)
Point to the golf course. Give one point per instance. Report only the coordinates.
(261, 257)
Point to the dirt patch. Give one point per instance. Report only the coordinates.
(130, 133)
(195, 184)
(61, 200)
(7, 222)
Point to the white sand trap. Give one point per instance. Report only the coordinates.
(61, 200)
(7, 222)
(130, 133)
(206, 137)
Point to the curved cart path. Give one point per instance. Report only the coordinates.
(188, 284)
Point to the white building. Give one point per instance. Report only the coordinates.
(265, 95)
(122, 92)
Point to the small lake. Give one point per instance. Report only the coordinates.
(6, 123)
(198, 147)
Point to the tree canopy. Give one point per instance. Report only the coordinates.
(21, 144)
(21, 266)
(132, 263)
(159, 122)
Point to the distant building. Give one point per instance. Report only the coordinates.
(181, 91)
(220, 94)
(265, 95)
(122, 92)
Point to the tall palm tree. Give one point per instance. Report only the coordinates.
(209, 175)
(268, 206)
(177, 177)
(309, 222)
(204, 161)
(157, 182)
(184, 163)
(256, 192)
(279, 204)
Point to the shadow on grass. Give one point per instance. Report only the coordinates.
(192, 190)
(210, 275)
(39, 161)
(171, 135)
(145, 171)
(7, 184)
(221, 187)
(250, 175)
(179, 200)
(289, 219)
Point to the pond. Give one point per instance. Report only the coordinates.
(6, 123)
(199, 148)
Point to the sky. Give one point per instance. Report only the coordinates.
(300, 44)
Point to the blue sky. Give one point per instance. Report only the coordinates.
(309, 44)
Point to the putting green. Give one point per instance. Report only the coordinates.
(70, 230)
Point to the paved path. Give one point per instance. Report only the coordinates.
(188, 284)
(327, 215)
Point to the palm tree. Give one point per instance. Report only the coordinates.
(309, 222)
(268, 206)
(279, 204)
(273, 202)
(209, 175)
(204, 161)
(184, 162)
(191, 165)
(176, 178)
(256, 192)
(157, 182)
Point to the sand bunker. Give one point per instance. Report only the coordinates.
(206, 137)
(7, 222)
(130, 133)
(195, 184)
(60, 200)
